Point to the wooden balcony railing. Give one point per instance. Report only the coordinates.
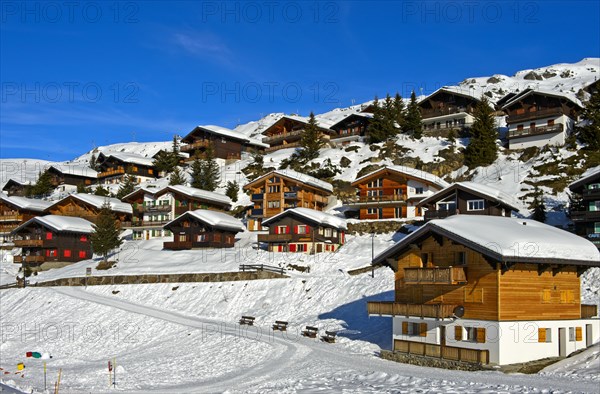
(154, 208)
(11, 218)
(20, 243)
(544, 113)
(434, 113)
(588, 311)
(28, 259)
(435, 275)
(145, 223)
(111, 172)
(441, 214)
(446, 352)
(283, 136)
(536, 130)
(584, 216)
(283, 146)
(274, 237)
(7, 228)
(376, 199)
(438, 311)
(195, 145)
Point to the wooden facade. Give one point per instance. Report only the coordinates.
(191, 232)
(287, 132)
(446, 110)
(73, 176)
(113, 169)
(349, 129)
(14, 188)
(275, 192)
(73, 206)
(13, 213)
(586, 212)
(200, 139)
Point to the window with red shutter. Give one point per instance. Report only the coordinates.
(67, 253)
(292, 248)
(48, 235)
(82, 254)
(83, 238)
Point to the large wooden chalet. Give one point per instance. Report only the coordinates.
(287, 132)
(586, 214)
(448, 108)
(538, 118)
(15, 188)
(154, 207)
(115, 166)
(350, 127)
(304, 230)
(203, 229)
(393, 192)
(489, 289)
(53, 238)
(88, 206)
(279, 190)
(226, 144)
(69, 176)
(468, 198)
(15, 210)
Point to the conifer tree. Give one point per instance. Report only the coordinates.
(94, 162)
(412, 122)
(539, 208)
(311, 140)
(43, 185)
(482, 149)
(590, 133)
(399, 111)
(197, 173)
(106, 233)
(211, 171)
(101, 191)
(376, 129)
(177, 177)
(232, 190)
(128, 186)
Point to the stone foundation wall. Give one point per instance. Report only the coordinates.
(377, 227)
(426, 361)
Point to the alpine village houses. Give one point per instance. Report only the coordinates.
(586, 212)
(468, 198)
(393, 192)
(53, 239)
(489, 289)
(114, 166)
(226, 144)
(155, 207)
(67, 177)
(448, 108)
(203, 229)
(16, 210)
(304, 230)
(279, 190)
(350, 128)
(88, 206)
(287, 132)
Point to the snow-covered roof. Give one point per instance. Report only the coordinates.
(319, 217)
(222, 131)
(13, 180)
(587, 176)
(411, 172)
(60, 223)
(473, 93)
(543, 92)
(213, 218)
(505, 240)
(98, 201)
(76, 170)
(339, 118)
(131, 158)
(488, 191)
(297, 176)
(145, 190)
(31, 204)
(201, 194)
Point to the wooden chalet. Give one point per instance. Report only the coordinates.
(350, 128)
(203, 229)
(393, 192)
(53, 238)
(304, 230)
(448, 108)
(279, 190)
(16, 210)
(538, 118)
(287, 132)
(115, 166)
(468, 198)
(489, 289)
(88, 206)
(226, 144)
(155, 207)
(69, 176)
(15, 188)
(586, 213)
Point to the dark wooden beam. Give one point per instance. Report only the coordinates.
(505, 266)
(543, 268)
(556, 269)
(438, 238)
(493, 263)
(581, 270)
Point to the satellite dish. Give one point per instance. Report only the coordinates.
(459, 311)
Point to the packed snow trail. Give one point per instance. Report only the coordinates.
(298, 360)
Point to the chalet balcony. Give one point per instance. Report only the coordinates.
(7, 228)
(474, 356)
(256, 213)
(28, 259)
(156, 208)
(389, 308)
(112, 172)
(535, 131)
(585, 216)
(588, 311)
(434, 113)
(283, 146)
(28, 243)
(257, 197)
(195, 145)
(441, 214)
(435, 276)
(274, 237)
(544, 113)
(292, 135)
(386, 199)
(290, 195)
(144, 223)
(591, 193)
(11, 218)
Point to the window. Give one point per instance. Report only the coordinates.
(201, 238)
(594, 206)
(302, 229)
(275, 179)
(83, 238)
(51, 253)
(520, 127)
(375, 183)
(274, 189)
(273, 204)
(302, 247)
(546, 296)
(67, 253)
(571, 334)
(475, 205)
(48, 235)
(372, 211)
(419, 190)
(334, 233)
(82, 254)
(551, 122)
(328, 232)
(374, 193)
(594, 186)
(282, 230)
(321, 230)
(414, 329)
(475, 334)
(460, 258)
(596, 227)
(567, 297)
(544, 335)
(186, 224)
(150, 171)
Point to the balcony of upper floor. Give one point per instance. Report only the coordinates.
(257, 213)
(112, 172)
(29, 243)
(145, 223)
(439, 214)
(375, 200)
(200, 144)
(11, 217)
(435, 276)
(154, 207)
(28, 259)
(542, 113)
(390, 308)
(274, 237)
(537, 130)
(584, 216)
(274, 148)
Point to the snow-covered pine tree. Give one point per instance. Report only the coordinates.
(482, 149)
(311, 140)
(177, 177)
(589, 134)
(128, 186)
(412, 120)
(232, 190)
(106, 233)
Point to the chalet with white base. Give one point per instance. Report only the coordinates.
(304, 230)
(88, 206)
(16, 210)
(586, 215)
(489, 289)
(203, 229)
(448, 108)
(115, 166)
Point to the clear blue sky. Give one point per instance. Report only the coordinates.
(75, 74)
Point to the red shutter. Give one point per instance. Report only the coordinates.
(276, 229)
(307, 230)
(287, 229)
(295, 229)
(342, 236)
(82, 254)
(67, 253)
(48, 235)
(47, 252)
(292, 247)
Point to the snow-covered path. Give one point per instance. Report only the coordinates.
(296, 364)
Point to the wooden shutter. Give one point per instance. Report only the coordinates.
(578, 334)
(563, 296)
(546, 295)
(292, 247)
(423, 329)
(541, 335)
(404, 328)
(307, 229)
(458, 333)
(295, 229)
(287, 229)
(276, 229)
(480, 335)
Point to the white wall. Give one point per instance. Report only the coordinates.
(541, 140)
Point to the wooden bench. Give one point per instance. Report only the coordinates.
(310, 332)
(280, 325)
(249, 320)
(329, 336)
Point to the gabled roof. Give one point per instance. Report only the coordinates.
(456, 90)
(346, 116)
(99, 201)
(590, 175)
(31, 204)
(489, 192)
(13, 181)
(318, 217)
(323, 124)
(224, 132)
(214, 219)
(192, 192)
(60, 223)
(130, 158)
(529, 91)
(407, 171)
(75, 170)
(296, 176)
(505, 240)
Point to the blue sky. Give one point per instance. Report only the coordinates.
(78, 74)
